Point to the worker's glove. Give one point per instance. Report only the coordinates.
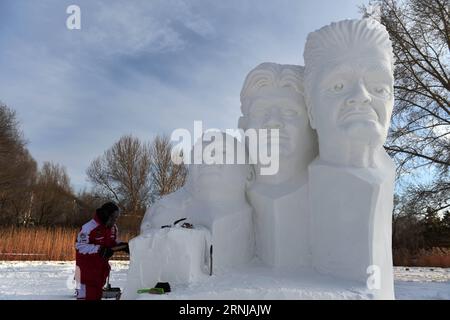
(125, 246)
(105, 252)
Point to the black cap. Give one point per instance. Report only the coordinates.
(106, 210)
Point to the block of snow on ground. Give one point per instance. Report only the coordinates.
(175, 255)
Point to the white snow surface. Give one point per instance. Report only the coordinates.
(45, 280)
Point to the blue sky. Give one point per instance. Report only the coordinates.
(140, 67)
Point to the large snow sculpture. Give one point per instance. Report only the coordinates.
(349, 94)
(272, 98)
(213, 201)
(327, 209)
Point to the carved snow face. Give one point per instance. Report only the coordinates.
(353, 100)
(218, 181)
(283, 109)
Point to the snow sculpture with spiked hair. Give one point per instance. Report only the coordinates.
(349, 93)
(349, 90)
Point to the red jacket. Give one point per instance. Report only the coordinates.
(94, 234)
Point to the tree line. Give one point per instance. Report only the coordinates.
(132, 173)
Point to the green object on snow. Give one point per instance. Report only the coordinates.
(157, 290)
(151, 290)
(145, 290)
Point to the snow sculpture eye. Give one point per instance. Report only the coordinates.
(381, 91)
(289, 112)
(338, 87)
(258, 111)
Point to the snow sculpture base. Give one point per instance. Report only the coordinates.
(257, 281)
(174, 255)
(281, 224)
(351, 212)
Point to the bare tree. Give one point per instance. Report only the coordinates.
(86, 203)
(10, 135)
(12, 152)
(53, 199)
(134, 174)
(20, 194)
(166, 176)
(17, 170)
(29, 196)
(419, 137)
(122, 174)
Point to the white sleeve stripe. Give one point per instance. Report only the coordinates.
(87, 248)
(88, 227)
(82, 245)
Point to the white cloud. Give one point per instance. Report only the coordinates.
(130, 28)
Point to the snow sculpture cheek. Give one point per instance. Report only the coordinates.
(381, 87)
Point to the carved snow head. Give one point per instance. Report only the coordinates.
(272, 98)
(349, 82)
(212, 175)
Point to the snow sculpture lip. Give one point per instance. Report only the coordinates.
(283, 139)
(358, 115)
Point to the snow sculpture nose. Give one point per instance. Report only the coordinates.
(273, 119)
(359, 96)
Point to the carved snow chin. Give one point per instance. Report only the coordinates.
(363, 131)
(361, 124)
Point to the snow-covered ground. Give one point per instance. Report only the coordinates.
(54, 280)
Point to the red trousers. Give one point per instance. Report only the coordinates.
(89, 292)
(92, 278)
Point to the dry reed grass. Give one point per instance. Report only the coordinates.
(55, 244)
(434, 257)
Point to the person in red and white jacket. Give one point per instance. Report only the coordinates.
(95, 245)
